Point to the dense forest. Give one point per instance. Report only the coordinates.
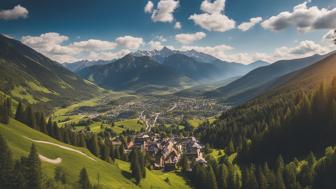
(282, 141)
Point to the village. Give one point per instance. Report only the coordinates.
(165, 152)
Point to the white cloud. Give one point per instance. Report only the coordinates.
(187, 38)
(155, 45)
(302, 49)
(213, 7)
(219, 51)
(164, 11)
(17, 12)
(212, 18)
(52, 45)
(94, 45)
(107, 55)
(224, 52)
(130, 42)
(178, 25)
(248, 25)
(149, 7)
(303, 18)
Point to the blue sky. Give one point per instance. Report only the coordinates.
(74, 21)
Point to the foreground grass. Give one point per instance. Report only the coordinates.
(157, 179)
(111, 176)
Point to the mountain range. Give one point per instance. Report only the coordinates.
(261, 79)
(165, 68)
(76, 66)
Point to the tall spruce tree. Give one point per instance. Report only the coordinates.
(84, 181)
(30, 117)
(4, 116)
(34, 177)
(19, 115)
(211, 183)
(6, 164)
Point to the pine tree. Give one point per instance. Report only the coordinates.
(279, 164)
(82, 141)
(57, 132)
(93, 145)
(4, 113)
(136, 166)
(19, 115)
(60, 175)
(106, 152)
(19, 180)
(84, 182)
(223, 177)
(29, 117)
(212, 183)
(34, 177)
(9, 106)
(184, 163)
(6, 164)
(279, 182)
(262, 179)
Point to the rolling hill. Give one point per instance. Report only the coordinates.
(73, 159)
(27, 75)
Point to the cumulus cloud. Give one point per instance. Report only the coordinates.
(164, 11)
(219, 51)
(149, 7)
(94, 45)
(248, 25)
(213, 18)
(226, 53)
(130, 42)
(302, 49)
(53, 46)
(213, 7)
(155, 45)
(187, 38)
(17, 12)
(303, 18)
(178, 25)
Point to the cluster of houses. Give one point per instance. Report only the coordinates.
(166, 152)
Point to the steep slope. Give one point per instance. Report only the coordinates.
(28, 75)
(76, 66)
(131, 72)
(73, 159)
(189, 67)
(278, 115)
(254, 82)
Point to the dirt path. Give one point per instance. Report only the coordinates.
(63, 147)
(52, 161)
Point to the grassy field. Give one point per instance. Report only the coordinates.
(157, 179)
(111, 175)
(131, 124)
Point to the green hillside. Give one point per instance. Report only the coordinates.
(19, 137)
(28, 76)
